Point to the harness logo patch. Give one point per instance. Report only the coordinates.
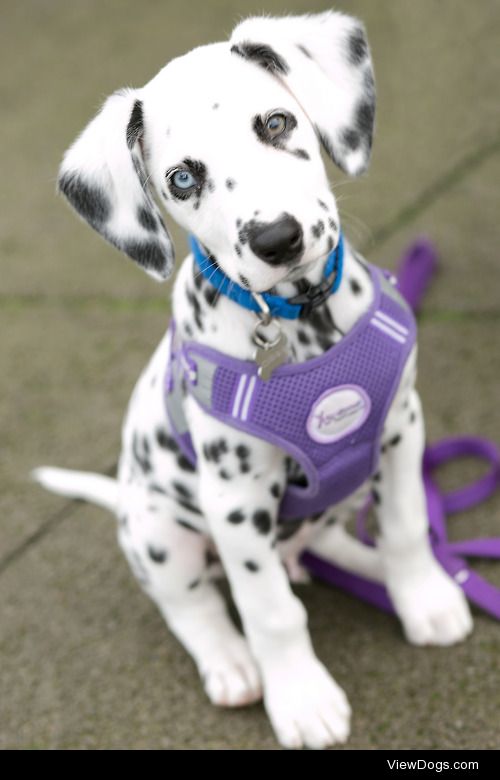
(337, 413)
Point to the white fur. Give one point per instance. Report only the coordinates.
(173, 521)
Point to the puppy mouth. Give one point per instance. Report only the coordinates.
(302, 269)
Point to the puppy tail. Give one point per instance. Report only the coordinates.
(79, 484)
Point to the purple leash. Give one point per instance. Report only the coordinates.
(416, 269)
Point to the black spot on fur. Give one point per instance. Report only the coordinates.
(275, 490)
(157, 489)
(355, 286)
(223, 474)
(304, 51)
(187, 504)
(156, 554)
(185, 464)
(198, 278)
(195, 305)
(303, 337)
(230, 184)
(164, 194)
(186, 524)
(351, 138)
(244, 281)
(149, 254)
(213, 451)
(413, 417)
(252, 566)
(147, 220)
(243, 231)
(301, 154)
(215, 106)
(288, 529)
(236, 516)
(395, 440)
(135, 127)
(377, 477)
(263, 55)
(211, 295)
(318, 229)
(141, 454)
(210, 557)
(90, 202)
(194, 584)
(211, 185)
(323, 205)
(165, 441)
(262, 521)
(242, 451)
(365, 116)
(358, 48)
(376, 497)
(237, 249)
(182, 490)
(245, 467)
(332, 224)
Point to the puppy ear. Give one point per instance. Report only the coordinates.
(325, 62)
(103, 177)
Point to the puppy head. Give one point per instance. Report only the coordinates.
(228, 137)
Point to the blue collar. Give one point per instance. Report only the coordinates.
(289, 308)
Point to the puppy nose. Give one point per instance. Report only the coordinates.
(277, 243)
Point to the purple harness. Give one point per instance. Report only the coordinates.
(328, 414)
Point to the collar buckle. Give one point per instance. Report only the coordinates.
(313, 297)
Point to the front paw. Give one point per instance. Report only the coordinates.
(306, 706)
(432, 607)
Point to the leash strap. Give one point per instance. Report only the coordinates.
(416, 269)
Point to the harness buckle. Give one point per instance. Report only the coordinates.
(313, 297)
(189, 368)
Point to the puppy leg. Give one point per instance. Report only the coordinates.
(169, 554)
(241, 480)
(430, 604)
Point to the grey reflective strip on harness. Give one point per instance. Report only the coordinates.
(200, 383)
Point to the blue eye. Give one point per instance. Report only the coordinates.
(276, 124)
(183, 179)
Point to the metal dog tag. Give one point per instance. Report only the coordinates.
(269, 354)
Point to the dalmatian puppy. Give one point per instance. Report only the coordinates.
(227, 140)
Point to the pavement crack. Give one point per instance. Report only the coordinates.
(431, 194)
(457, 316)
(83, 302)
(67, 510)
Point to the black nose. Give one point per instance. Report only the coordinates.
(277, 243)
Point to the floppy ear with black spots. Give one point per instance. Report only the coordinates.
(325, 62)
(103, 177)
